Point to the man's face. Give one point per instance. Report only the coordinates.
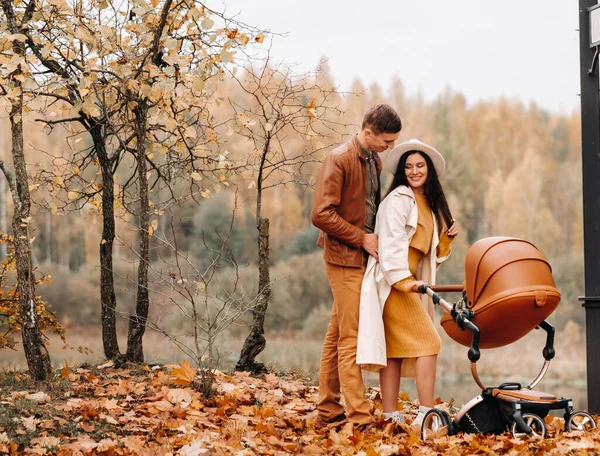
(381, 142)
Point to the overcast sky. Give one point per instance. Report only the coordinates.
(528, 49)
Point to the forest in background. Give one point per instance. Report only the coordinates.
(512, 170)
(156, 180)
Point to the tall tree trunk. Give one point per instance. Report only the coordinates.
(255, 342)
(48, 235)
(108, 299)
(277, 198)
(3, 226)
(64, 254)
(137, 322)
(38, 359)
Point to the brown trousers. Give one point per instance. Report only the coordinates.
(338, 357)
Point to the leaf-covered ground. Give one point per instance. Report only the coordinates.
(159, 411)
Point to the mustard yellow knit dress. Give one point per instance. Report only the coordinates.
(409, 331)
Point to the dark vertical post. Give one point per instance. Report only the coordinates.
(590, 148)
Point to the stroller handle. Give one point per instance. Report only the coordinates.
(447, 288)
(436, 298)
(461, 317)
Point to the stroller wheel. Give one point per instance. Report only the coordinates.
(580, 421)
(435, 421)
(537, 425)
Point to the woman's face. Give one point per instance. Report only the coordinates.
(416, 171)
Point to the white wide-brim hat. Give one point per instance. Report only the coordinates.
(393, 157)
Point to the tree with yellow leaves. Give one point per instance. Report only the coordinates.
(139, 80)
(12, 80)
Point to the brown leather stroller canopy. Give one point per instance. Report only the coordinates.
(510, 289)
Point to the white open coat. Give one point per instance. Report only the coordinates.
(396, 224)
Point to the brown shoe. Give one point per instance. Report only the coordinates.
(333, 423)
(368, 427)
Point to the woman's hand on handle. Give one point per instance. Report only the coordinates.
(422, 288)
(415, 284)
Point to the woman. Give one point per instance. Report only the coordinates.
(415, 227)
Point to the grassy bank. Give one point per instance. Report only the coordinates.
(519, 362)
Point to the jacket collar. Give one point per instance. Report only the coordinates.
(412, 219)
(357, 149)
(405, 190)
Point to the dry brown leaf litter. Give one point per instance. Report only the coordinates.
(106, 411)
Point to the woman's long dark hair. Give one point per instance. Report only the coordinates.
(434, 194)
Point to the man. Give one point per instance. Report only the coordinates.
(346, 198)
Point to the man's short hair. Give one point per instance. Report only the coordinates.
(382, 118)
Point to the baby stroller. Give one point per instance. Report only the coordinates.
(509, 292)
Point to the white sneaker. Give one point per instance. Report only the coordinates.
(421, 415)
(395, 417)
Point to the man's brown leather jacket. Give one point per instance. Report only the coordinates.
(339, 206)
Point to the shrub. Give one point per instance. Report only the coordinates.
(569, 277)
(316, 323)
(300, 285)
(10, 317)
(304, 242)
(74, 296)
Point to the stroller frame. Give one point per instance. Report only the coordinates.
(508, 406)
